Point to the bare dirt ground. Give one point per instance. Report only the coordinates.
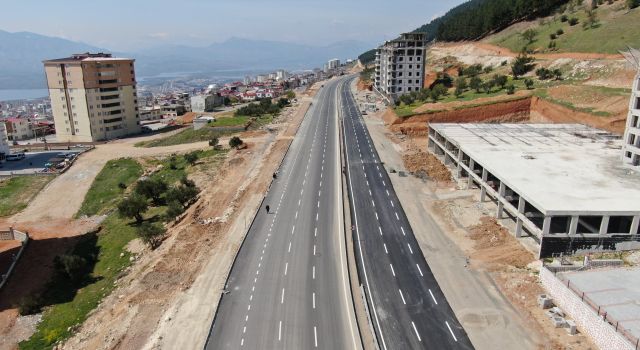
(587, 97)
(440, 106)
(168, 297)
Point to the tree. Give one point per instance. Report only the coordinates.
(500, 80)
(564, 18)
(151, 188)
(424, 94)
(553, 36)
(151, 234)
(191, 158)
(511, 89)
(71, 266)
(529, 35)
(437, 91)
(461, 85)
(488, 85)
(559, 31)
(291, 95)
(522, 65)
(174, 208)
(235, 142)
(183, 193)
(214, 142)
(631, 4)
(528, 83)
(475, 83)
(558, 74)
(544, 73)
(407, 99)
(133, 207)
(573, 21)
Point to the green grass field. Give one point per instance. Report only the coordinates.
(617, 29)
(105, 191)
(16, 192)
(186, 136)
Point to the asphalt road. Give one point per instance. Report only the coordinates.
(289, 285)
(407, 307)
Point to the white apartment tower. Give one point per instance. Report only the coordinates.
(631, 148)
(400, 65)
(93, 97)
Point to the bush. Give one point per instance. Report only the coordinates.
(407, 99)
(475, 83)
(174, 208)
(191, 158)
(528, 83)
(151, 234)
(631, 4)
(183, 193)
(559, 31)
(122, 185)
(557, 74)
(544, 73)
(500, 80)
(437, 91)
(522, 65)
(511, 89)
(151, 189)
(504, 63)
(552, 45)
(30, 304)
(573, 21)
(564, 18)
(553, 36)
(487, 69)
(235, 142)
(133, 207)
(71, 266)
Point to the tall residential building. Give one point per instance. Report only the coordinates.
(93, 97)
(334, 63)
(632, 131)
(4, 142)
(400, 65)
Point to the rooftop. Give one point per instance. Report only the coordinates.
(561, 169)
(616, 291)
(86, 57)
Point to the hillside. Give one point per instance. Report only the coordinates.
(613, 27)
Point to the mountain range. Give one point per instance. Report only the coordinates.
(22, 53)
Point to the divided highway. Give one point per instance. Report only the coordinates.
(289, 285)
(407, 307)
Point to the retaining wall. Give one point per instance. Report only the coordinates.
(588, 321)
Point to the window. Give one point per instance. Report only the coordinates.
(66, 122)
(410, 58)
(411, 66)
(628, 154)
(77, 130)
(67, 129)
(409, 73)
(417, 74)
(409, 89)
(399, 81)
(418, 58)
(410, 81)
(399, 89)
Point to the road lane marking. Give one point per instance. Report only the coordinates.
(392, 271)
(289, 246)
(373, 203)
(383, 183)
(411, 250)
(385, 248)
(244, 329)
(282, 297)
(294, 226)
(280, 331)
(432, 297)
(249, 307)
(416, 330)
(402, 296)
(451, 331)
(314, 300)
(314, 250)
(397, 217)
(387, 192)
(315, 232)
(315, 335)
(242, 342)
(313, 272)
(380, 229)
(376, 215)
(401, 228)
(316, 216)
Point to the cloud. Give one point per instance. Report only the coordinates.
(160, 35)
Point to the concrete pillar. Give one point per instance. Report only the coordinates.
(500, 199)
(521, 204)
(546, 225)
(604, 225)
(459, 163)
(483, 186)
(634, 224)
(573, 226)
(470, 179)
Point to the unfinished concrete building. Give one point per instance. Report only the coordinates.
(400, 65)
(563, 184)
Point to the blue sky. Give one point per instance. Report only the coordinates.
(143, 23)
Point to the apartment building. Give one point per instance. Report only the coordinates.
(205, 103)
(93, 97)
(19, 129)
(400, 65)
(4, 142)
(631, 148)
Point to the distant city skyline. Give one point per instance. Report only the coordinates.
(142, 24)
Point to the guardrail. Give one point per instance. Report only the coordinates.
(10, 235)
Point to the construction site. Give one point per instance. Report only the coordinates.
(563, 184)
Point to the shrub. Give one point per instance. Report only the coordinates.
(544, 73)
(475, 83)
(553, 36)
(522, 65)
(71, 266)
(504, 63)
(488, 69)
(174, 208)
(133, 207)
(235, 142)
(564, 18)
(631, 4)
(500, 80)
(552, 45)
(528, 83)
(559, 31)
(191, 158)
(511, 89)
(30, 304)
(573, 21)
(214, 142)
(122, 185)
(151, 234)
(557, 73)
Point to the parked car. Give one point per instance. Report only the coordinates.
(16, 156)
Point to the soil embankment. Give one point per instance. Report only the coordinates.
(528, 109)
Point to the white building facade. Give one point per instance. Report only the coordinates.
(631, 148)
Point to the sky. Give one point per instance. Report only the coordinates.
(127, 25)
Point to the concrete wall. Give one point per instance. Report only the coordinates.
(12, 234)
(588, 322)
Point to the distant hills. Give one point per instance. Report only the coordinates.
(22, 53)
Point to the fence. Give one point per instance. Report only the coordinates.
(605, 331)
(9, 235)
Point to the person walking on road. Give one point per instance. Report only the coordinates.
(267, 207)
